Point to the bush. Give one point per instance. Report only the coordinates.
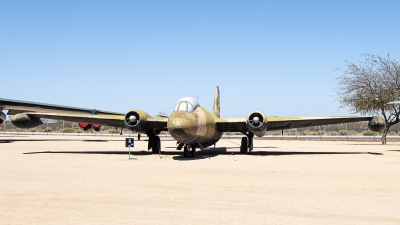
(343, 132)
(47, 129)
(276, 133)
(398, 133)
(33, 130)
(113, 131)
(1, 129)
(68, 130)
(368, 133)
(334, 133)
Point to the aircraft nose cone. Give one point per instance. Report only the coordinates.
(179, 128)
(178, 133)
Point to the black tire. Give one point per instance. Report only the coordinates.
(150, 143)
(156, 145)
(185, 152)
(244, 145)
(193, 152)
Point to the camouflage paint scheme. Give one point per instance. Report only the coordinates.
(197, 128)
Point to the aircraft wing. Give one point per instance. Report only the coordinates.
(279, 123)
(152, 123)
(74, 114)
(16, 106)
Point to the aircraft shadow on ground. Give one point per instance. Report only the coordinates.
(6, 141)
(206, 154)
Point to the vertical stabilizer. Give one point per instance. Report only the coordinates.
(216, 103)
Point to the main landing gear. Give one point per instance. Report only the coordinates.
(247, 143)
(154, 144)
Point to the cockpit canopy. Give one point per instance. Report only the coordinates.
(187, 104)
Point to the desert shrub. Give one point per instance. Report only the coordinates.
(352, 133)
(113, 131)
(343, 132)
(276, 133)
(47, 129)
(321, 132)
(302, 133)
(398, 133)
(368, 133)
(33, 129)
(78, 130)
(68, 130)
(333, 133)
(314, 133)
(1, 129)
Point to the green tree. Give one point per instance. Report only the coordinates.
(367, 87)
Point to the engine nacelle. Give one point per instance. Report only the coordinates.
(135, 120)
(24, 121)
(2, 117)
(377, 124)
(257, 123)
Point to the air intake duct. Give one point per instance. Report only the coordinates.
(135, 120)
(257, 123)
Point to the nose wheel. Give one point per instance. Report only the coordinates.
(189, 151)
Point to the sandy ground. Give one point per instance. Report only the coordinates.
(76, 180)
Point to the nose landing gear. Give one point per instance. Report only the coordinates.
(187, 153)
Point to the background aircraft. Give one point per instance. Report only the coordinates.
(191, 125)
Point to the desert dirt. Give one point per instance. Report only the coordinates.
(90, 180)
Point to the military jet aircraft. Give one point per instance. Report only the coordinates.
(191, 125)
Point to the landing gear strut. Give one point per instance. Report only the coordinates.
(247, 143)
(154, 144)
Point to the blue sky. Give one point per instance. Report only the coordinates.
(275, 56)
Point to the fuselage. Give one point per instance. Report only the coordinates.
(197, 127)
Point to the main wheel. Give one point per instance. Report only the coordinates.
(156, 145)
(244, 145)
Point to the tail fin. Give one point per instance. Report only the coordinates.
(216, 103)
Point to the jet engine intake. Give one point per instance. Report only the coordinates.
(24, 121)
(376, 124)
(2, 117)
(257, 123)
(135, 120)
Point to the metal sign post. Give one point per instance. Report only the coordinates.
(129, 142)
